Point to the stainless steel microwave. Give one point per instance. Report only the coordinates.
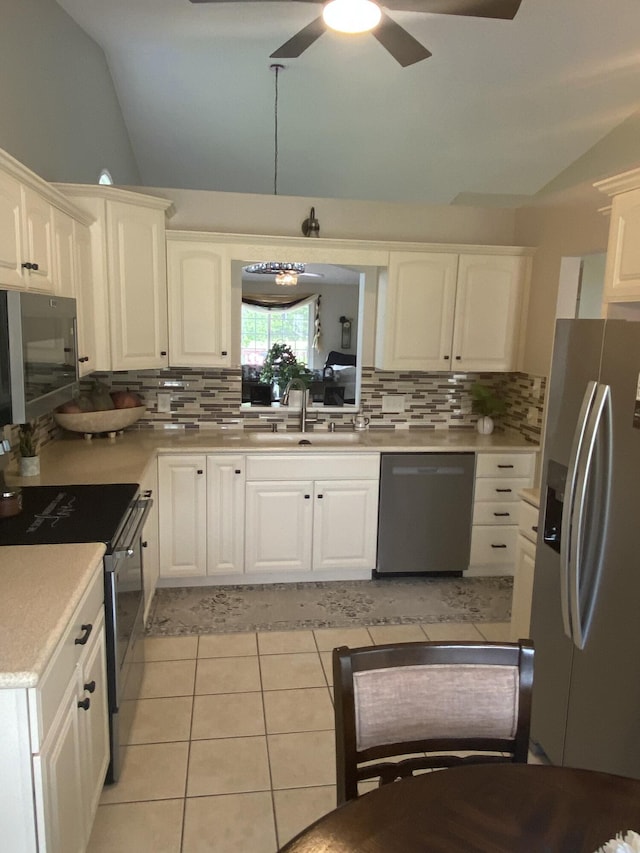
(38, 354)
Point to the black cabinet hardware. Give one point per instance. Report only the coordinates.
(500, 514)
(30, 266)
(498, 546)
(505, 466)
(90, 687)
(80, 641)
(503, 490)
(85, 704)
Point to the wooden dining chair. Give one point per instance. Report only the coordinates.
(412, 706)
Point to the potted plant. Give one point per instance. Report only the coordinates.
(281, 366)
(488, 404)
(29, 459)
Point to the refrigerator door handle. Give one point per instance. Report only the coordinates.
(567, 552)
(584, 573)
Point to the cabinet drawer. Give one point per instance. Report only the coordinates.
(505, 465)
(493, 545)
(296, 466)
(48, 695)
(500, 491)
(529, 520)
(487, 512)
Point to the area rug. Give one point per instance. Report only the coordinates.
(328, 604)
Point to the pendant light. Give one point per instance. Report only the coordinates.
(351, 16)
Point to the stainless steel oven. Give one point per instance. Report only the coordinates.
(124, 607)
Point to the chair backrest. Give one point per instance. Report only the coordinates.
(406, 698)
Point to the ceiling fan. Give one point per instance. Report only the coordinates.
(404, 48)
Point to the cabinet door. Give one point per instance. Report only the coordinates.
(622, 275)
(522, 589)
(94, 721)
(279, 520)
(345, 524)
(182, 491)
(60, 798)
(199, 286)
(10, 232)
(225, 514)
(417, 311)
(137, 287)
(37, 243)
(150, 537)
(488, 311)
(64, 261)
(85, 300)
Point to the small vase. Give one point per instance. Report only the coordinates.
(485, 425)
(29, 466)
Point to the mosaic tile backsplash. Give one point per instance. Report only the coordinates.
(203, 399)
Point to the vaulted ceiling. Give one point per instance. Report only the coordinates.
(497, 112)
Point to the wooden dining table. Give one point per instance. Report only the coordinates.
(494, 808)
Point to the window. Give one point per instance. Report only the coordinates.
(261, 328)
(105, 177)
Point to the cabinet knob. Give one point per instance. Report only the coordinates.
(224, 352)
(29, 266)
(238, 471)
(199, 471)
(90, 687)
(446, 358)
(307, 497)
(80, 641)
(458, 358)
(163, 352)
(145, 544)
(320, 496)
(85, 704)
(535, 528)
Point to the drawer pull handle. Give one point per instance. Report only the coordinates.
(80, 641)
(498, 546)
(85, 703)
(500, 514)
(90, 687)
(505, 466)
(535, 528)
(503, 490)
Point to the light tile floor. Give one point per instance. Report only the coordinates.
(231, 747)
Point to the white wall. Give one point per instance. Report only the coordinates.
(568, 226)
(60, 114)
(240, 213)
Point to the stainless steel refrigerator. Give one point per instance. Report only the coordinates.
(585, 619)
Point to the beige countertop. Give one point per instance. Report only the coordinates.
(531, 496)
(40, 587)
(125, 458)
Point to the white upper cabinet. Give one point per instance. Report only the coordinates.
(445, 311)
(622, 274)
(416, 308)
(137, 287)
(11, 272)
(129, 291)
(64, 260)
(199, 292)
(83, 282)
(37, 244)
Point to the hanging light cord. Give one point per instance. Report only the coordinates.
(277, 69)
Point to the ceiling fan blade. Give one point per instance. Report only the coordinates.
(401, 45)
(504, 9)
(301, 41)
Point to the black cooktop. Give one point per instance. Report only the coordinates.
(61, 514)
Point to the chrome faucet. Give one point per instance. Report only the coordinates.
(298, 384)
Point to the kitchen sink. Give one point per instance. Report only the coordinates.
(313, 438)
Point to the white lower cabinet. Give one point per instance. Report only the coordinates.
(524, 569)
(225, 514)
(150, 537)
(499, 478)
(308, 524)
(267, 516)
(55, 740)
(182, 494)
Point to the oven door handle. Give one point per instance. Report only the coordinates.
(143, 507)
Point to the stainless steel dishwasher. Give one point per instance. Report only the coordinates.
(425, 513)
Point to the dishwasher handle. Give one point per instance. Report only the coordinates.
(426, 470)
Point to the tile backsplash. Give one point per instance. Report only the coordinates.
(211, 398)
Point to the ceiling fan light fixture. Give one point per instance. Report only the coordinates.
(286, 274)
(351, 16)
(287, 279)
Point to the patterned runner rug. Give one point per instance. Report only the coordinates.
(328, 604)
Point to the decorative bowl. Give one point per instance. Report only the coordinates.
(93, 423)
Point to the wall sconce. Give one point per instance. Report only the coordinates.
(311, 226)
(345, 322)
